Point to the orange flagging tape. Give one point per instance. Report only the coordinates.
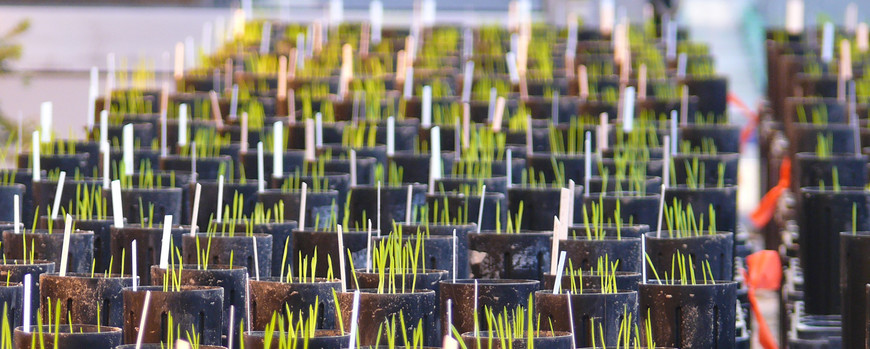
(749, 128)
(764, 212)
(764, 272)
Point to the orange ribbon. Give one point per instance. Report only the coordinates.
(764, 212)
(750, 126)
(764, 271)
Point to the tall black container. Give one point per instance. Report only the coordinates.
(822, 216)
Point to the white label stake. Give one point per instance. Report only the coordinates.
(127, 140)
(341, 253)
(352, 163)
(117, 208)
(369, 247)
(134, 265)
(261, 180)
(37, 169)
(277, 151)
(64, 254)
(409, 204)
(57, 194)
(220, 198)
(554, 251)
(309, 140)
(27, 296)
(145, 305)
(195, 213)
(794, 16)
(628, 110)
(354, 315)
(391, 136)
(435, 157)
(453, 261)
(426, 113)
(560, 269)
(256, 259)
(16, 214)
(587, 163)
(164, 242)
(302, 197)
(665, 180)
(182, 124)
(480, 208)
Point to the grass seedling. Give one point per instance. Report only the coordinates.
(683, 271)
(681, 220)
(397, 261)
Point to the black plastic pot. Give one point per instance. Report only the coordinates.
(206, 167)
(605, 309)
(281, 236)
(597, 185)
(11, 301)
(166, 201)
(822, 216)
(7, 193)
(499, 171)
(102, 238)
(324, 245)
(224, 248)
(574, 166)
(446, 230)
(232, 281)
(339, 182)
(364, 204)
(690, 316)
(723, 200)
(321, 207)
(509, 256)
(272, 295)
(497, 295)
(809, 170)
(49, 247)
(584, 253)
(148, 245)
(70, 163)
(44, 192)
(639, 209)
(416, 165)
(708, 166)
(208, 199)
(87, 299)
(716, 249)
(725, 137)
(293, 159)
(199, 308)
(592, 281)
(540, 205)
(460, 205)
(545, 339)
(25, 177)
(428, 279)
(323, 339)
(14, 270)
(854, 277)
(842, 134)
(712, 93)
(438, 251)
(375, 309)
(79, 336)
(497, 184)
